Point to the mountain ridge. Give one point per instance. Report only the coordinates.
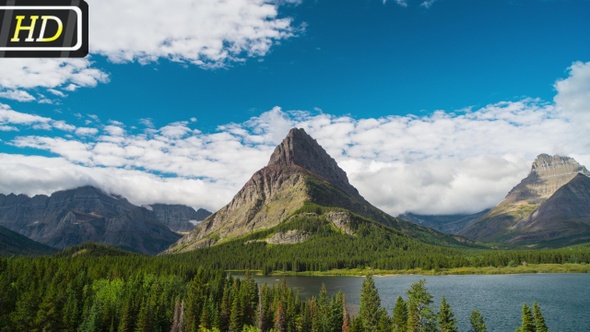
(83, 214)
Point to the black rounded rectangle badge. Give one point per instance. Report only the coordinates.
(43, 29)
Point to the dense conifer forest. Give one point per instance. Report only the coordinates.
(97, 288)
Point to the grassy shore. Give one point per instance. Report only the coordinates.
(521, 269)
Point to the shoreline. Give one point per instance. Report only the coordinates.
(522, 269)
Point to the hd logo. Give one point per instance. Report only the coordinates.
(46, 28)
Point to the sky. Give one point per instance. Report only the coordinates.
(430, 106)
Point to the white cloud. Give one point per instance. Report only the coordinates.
(57, 92)
(18, 95)
(441, 163)
(427, 3)
(208, 33)
(445, 162)
(8, 116)
(573, 98)
(72, 150)
(85, 131)
(41, 175)
(11, 119)
(19, 73)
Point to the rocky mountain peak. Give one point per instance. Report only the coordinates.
(300, 149)
(546, 165)
(549, 204)
(548, 173)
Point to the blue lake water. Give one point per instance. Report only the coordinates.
(564, 298)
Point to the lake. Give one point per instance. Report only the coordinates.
(564, 298)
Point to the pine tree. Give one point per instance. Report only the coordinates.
(539, 319)
(446, 318)
(357, 325)
(420, 313)
(528, 324)
(236, 315)
(414, 321)
(280, 320)
(400, 315)
(336, 313)
(323, 310)
(145, 318)
(369, 312)
(384, 324)
(224, 315)
(205, 320)
(345, 316)
(477, 322)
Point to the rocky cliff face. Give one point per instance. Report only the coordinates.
(529, 202)
(179, 218)
(84, 214)
(299, 172)
(565, 216)
(548, 174)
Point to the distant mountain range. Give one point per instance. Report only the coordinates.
(87, 214)
(448, 223)
(550, 207)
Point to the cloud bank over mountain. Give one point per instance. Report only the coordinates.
(444, 162)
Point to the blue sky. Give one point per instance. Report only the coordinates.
(430, 106)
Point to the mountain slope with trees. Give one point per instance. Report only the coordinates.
(299, 174)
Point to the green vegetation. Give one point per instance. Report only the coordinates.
(372, 249)
(95, 288)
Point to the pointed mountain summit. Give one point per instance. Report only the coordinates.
(300, 149)
(520, 214)
(548, 173)
(299, 176)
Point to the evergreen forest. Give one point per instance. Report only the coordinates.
(98, 288)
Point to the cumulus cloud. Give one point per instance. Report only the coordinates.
(13, 120)
(35, 175)
(573, 98)
(18, 95)
(445, 162)
(49, 73)
(206, 33)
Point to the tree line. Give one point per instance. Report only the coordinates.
(83, 292)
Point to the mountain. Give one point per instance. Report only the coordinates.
(178, 218)
(541, 208)
(299, 178)
(12, 243)
(563, 218)
(444, 223)
(85, 214)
